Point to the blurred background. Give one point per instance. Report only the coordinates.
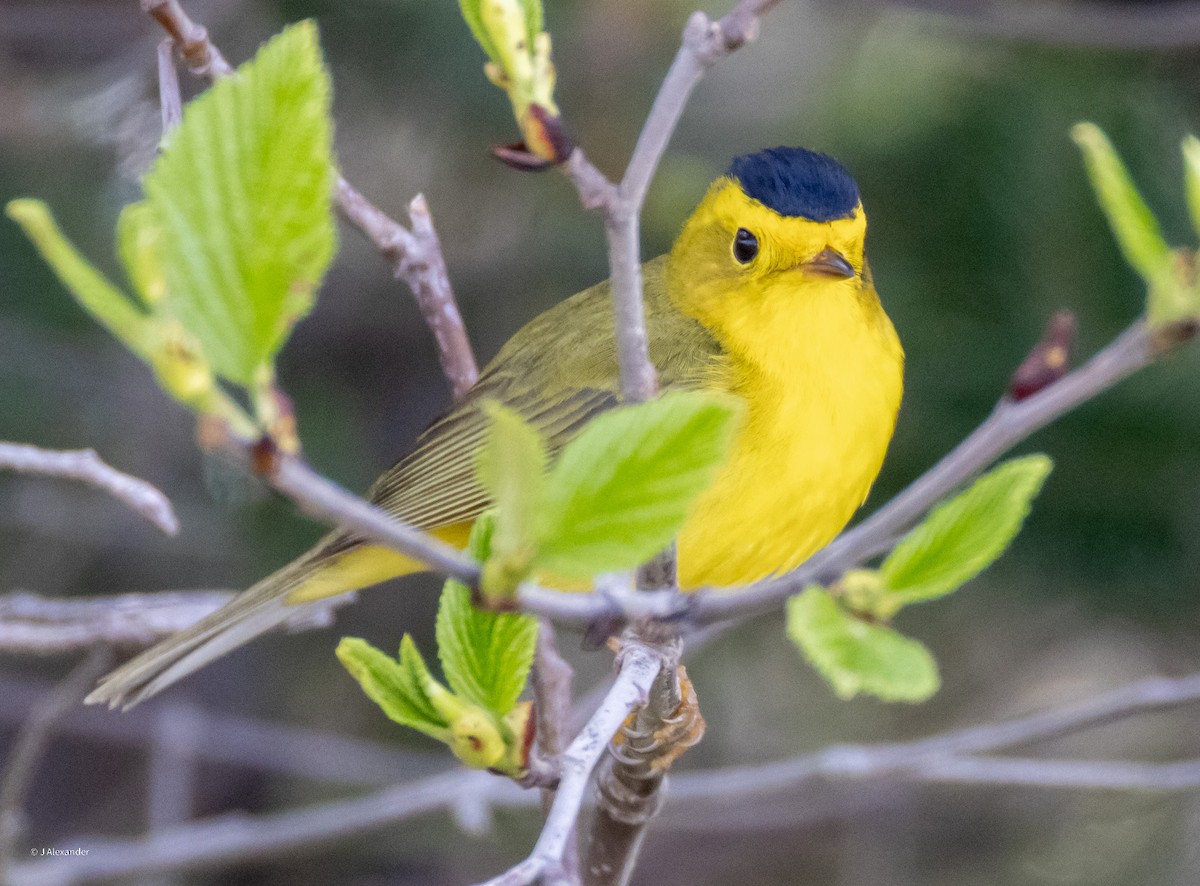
(953, 117)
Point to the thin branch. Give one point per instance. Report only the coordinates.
(551, 679)
(326, 500)
(416, 255)
(235, 740)
(950, 756)
(639, 666)
(921, 759)
(35, 625)
(234, 839)
(416, 258)
(704, 43)
(85, 465)
(31, 744)
(169, 100)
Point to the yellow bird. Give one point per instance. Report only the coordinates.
(765, 296)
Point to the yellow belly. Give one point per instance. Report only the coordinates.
(817, 428)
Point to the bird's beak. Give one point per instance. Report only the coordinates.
(829, 263)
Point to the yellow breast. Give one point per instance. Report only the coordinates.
(822, 387)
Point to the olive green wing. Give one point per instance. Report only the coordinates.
(557, 373)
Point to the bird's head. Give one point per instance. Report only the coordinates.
(781, 224)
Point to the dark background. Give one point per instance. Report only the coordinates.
(981, 225)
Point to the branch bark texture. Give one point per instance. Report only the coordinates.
(86, 466)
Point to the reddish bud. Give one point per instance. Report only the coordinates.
(1050, 359)
(264, 457)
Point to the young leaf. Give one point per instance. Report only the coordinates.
(622, 489)
(485, 656)
(242, 196)
(961, 537)
(91, 289)
(472, 13)
(1133, 224)
(855, 656)
(512, 468)
(398, 687)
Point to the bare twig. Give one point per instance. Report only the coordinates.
(235, 740)
(950, 756)
(639, 665)
(85, 465)
(233, 839)
(169, 99)
(326, 500)
(31, 744)
(35, 625)
(416, 255)
(704, 43)
(551, 679)
(934, 758)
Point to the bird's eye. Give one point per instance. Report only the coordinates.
(745, 246)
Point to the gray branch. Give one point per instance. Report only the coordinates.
(34, 625)
(86, 466)
(31, 744)
(955, 756)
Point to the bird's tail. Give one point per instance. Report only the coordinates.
(317, 574)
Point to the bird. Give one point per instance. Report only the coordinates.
(766, 297)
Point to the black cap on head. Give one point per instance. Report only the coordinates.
(796, 182)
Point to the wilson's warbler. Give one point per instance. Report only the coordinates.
(766, 295)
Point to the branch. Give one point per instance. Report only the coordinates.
(939, 758)
(234, 839)
(551, 679)
(235, 740)
(639, 666)
(31, 744)
(35, 625)
(84, 465)
(950, 756)
(416, 255)
(704, 43)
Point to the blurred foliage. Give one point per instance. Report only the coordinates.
(981, 225)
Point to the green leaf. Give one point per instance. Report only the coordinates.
(398, 687)
(855, 656)
(485, 656)
(961, 537)
(534, 18)
(91, 289)
(242, 196)
(622, 489)
(1133, 224)
(512, 468)
(472, 13)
